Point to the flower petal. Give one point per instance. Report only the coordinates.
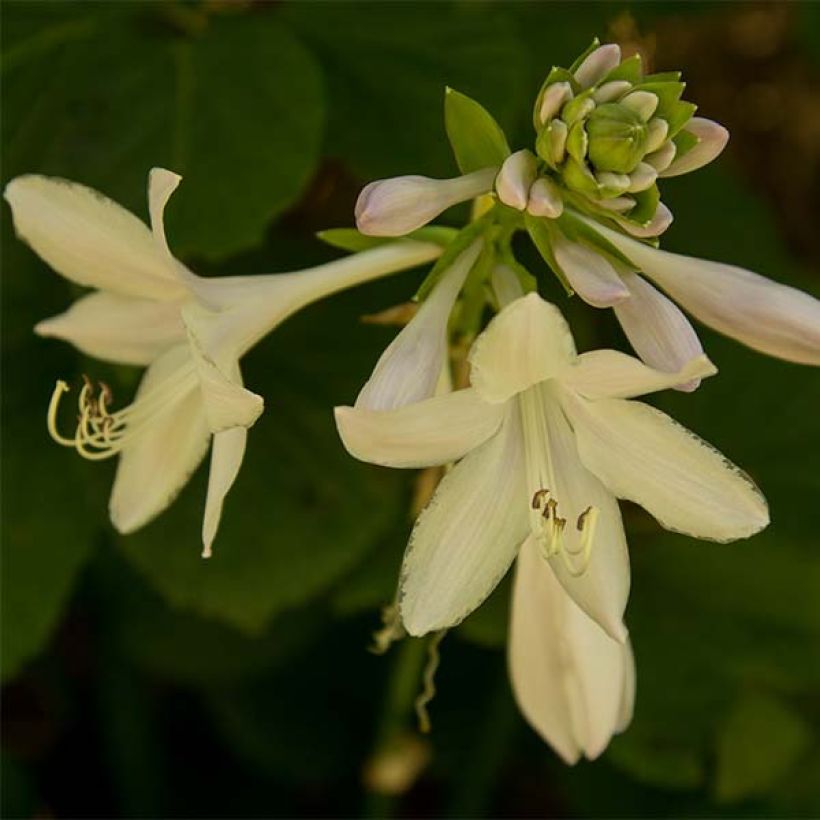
(435, 431)
(712, 138)
(409, 368)
(114, 328)
(598, 64)
(161, 184)
(91, 240)
(643, 455)
(612, 374)
(398, 206)
(571, 681)
(226, 459)
(764, 315)
(527, 342)
(226, 402)
(657, 329)
(515, 179)
(160, 459)
(592, 277)
(601, 588)
(467, 537)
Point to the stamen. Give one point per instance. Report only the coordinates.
(428, 691)
(391, 631)
(550, 533)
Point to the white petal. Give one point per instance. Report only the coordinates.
(643, 455)
(628, 687)
(394, 207)
(661, 158)
(409, 368)
(114, 328)
(657, 329)
(528, 342)
(602, 588)
(609, 92)
(597, 65)
(226, 459)
(612, 374)
(764, 315)
(158, 462)
(515, 179)
(712, 139)
(226, 402)
(553, 98)
(571, 681)
(467, 537)
(91, 240)
(592, 277)
(435, 431)
(545, 199)
(161, 184)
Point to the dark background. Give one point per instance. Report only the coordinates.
(141, 681)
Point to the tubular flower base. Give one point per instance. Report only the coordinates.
(190, 332)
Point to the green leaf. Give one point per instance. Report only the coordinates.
(684, 141)
(646, 203)
(236, 108)
(49, 525)
(475, 137)
(349, 239)
(387, 69)
(630, 70)
(679, 115)
(761, 740)
(584, 54)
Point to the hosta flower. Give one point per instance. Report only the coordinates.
(546, 440)
(148, 309)
(573, 683)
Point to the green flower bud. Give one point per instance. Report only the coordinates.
(617, 138)
(578, 178)
(577, 142)
(577, 109)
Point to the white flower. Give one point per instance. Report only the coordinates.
(148, 309)
(547, 442)
(573, 683)
(765, 315)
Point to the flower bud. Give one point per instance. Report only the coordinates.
(654, 227)
(641, 178)
(612, 185)
(661, 159)
(397, 206)
(577, 142)
(545, 199)
(617, 138)
(551, 143)
(515, 179)
(643, 103)
(656, 131)
(597, 65)
(712, 139)
(577, 109)
(609, 92)
(553, 98)
(619, 204)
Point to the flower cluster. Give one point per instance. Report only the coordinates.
(539, 441)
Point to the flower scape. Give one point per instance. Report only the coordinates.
(538, 442)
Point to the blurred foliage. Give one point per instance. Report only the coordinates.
(144, 682)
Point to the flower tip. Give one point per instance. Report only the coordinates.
(598, 64)
(206, 551)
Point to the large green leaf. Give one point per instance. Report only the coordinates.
(102, 94)
(388, 65)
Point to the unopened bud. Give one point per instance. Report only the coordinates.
(609, 92)
(553, 98)
(641, 178)
(597, 65)
(579, 178)
(577, 142)
(661, 159)
(515, 179)
(643, 103)
(712, 138)
(551, 143)
(545, 199)
(397, 206)
(619, 204)
(656, 131)
(617, 138)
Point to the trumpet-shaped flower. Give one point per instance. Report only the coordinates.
(546, 441)
(573, 683)
(148, 309)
